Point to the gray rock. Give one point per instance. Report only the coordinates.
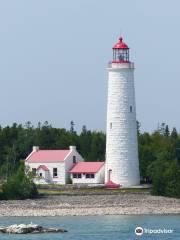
(29, 228)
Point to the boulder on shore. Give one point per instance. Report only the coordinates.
(29, 228)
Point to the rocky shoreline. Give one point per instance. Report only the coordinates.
(127, 203)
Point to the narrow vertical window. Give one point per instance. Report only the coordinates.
(74, 159)
(54, 172)
(111, 125)
(130, 109)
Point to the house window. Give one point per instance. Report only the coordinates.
(74, 159)
(40, 174)
(130, 109)
(34, 170)
(54, 172)
(111, 125)
(89, 175)
(76, 175)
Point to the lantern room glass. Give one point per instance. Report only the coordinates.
(121, 55)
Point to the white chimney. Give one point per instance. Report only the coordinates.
(35, 148)
(72, 148)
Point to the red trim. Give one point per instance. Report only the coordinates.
(111, 184)
(83, 172)
(120, 61)
(43, 167)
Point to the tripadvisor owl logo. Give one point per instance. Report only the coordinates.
(139, 231)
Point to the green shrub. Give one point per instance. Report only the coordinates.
(172, 180)
(166, 178)
(20, 185)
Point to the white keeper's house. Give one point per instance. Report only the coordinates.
(52, 166)
(59, 166)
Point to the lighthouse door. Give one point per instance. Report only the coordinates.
(109, 174)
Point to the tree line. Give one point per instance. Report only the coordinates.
(16, 143)
(159, 151)
(159, 156)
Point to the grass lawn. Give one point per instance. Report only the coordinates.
(85, 191)
(92, 191)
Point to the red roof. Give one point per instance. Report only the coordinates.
(43, 167)
(87, 167)
(43, 156)
(120, 44)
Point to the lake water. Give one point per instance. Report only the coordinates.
(98, 227)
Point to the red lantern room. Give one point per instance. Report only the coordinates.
(120, 52)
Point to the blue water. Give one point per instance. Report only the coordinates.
(98, 227)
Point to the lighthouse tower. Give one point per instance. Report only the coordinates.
(122, 164)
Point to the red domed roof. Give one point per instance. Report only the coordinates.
(120, 44)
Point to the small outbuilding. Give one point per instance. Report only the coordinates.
(87, 173)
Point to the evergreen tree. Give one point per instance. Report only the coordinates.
(85, 139)
(174, 133)
(172, 180)
(167, 131)
(72, 127)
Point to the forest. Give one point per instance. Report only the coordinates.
(159, 151)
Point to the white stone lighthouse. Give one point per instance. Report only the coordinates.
(122, 164)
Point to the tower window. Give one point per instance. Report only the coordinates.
(111, 125)
(130, 109)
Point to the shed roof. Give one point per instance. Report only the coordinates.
(87, 167)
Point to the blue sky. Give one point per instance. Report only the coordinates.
(54, 55)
